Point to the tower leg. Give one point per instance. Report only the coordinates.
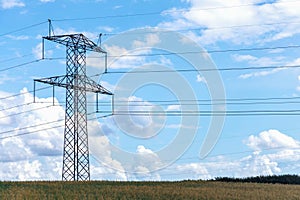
(76, 153)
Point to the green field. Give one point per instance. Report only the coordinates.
(146, 190)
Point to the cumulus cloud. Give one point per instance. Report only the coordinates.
(116, 164)
(14, 149)
(138, 121)
(38, 51)
(117, 53)
(232, 20)
(148, 41)
(102, 150)
(7, 4)
(271, 139)
(197, 170)
(39, 127)
(273, 153)
(33, 118)
(255, 165)
(115, 59)
(21, 171)
(146, 164)
(264, 61)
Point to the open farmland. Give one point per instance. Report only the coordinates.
(146, 190)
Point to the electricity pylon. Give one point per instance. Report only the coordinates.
(76, 152)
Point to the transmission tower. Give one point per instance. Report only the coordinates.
(76, 152)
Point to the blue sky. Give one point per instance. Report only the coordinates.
(180, 35)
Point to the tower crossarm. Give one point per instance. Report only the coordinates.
(76, 164)
(90, 85)
(78, 41)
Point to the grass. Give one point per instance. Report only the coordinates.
(146, 190)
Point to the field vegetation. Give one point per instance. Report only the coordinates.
(147, 190)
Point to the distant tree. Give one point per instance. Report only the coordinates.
(282, 179)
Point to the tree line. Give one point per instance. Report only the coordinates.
(282, 179)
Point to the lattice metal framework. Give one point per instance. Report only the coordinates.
(76, 152)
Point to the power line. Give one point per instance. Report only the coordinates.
(200, 70)
(203, 114)
(23, 28)
(23, 93)
(15, 58)
(195, 157)
(158, 12)
(32, 126)
(203, 51)
(208, 100)
(20, 65)
(37, 125)
(23, 56)
(129, 104)
(201, 28)
(27, 133)
(27, 111)
(44, 129)
(200, 104)
(172, 71)
(16, 106)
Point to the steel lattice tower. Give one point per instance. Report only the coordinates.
(76, 152)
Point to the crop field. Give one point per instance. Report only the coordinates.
(146, 190)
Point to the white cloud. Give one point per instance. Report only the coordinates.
(21, 171)
(47, 1)
(201, 79)
(241, 58)
(213, 16)
(4, 79)
(102, 150)
(149, 41)
(107, 28)
(255, 165)
(117, 55)
(136, 104)
(42, 140)
(14, 149)
(261, 73)
(273, 153)
(265, 61)
(35, 154)
(21, 37)
(147, 158)
(38, 51)
(7, 4)
(271, 139)
(146, 163)
(27, 157)
(116, 58)
(117, 7)
(89, 35)
(294, 62)
(142, 126)
(46, 168)
(173, 108)
(197, 170)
